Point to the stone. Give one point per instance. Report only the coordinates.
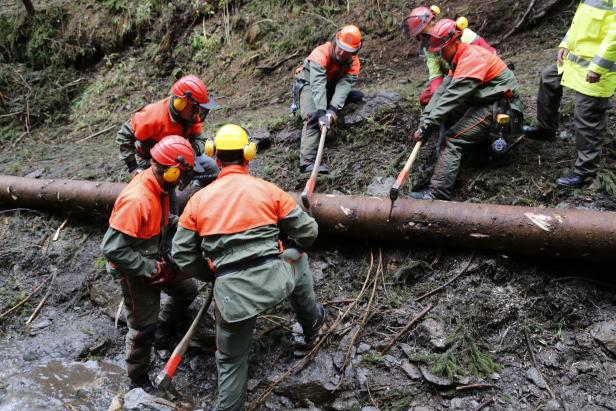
(380, 186)
(261, 137)
(289, 136)
(553, 405)
(363, 348)
(139, 400)
(535, 377)
(362, 376)
(411, 370)
(435, 379)
(373, 102)
(319, 269)
(312, 383)
(369, 408)
(605, 333)
(116, 403)
(434, 332)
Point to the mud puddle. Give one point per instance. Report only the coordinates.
(59, 384)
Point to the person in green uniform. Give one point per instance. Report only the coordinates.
(231, 228)
(135, 249)
(464, 103)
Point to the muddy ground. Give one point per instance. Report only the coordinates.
(482, 327)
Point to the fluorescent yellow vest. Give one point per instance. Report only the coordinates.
(591, 41)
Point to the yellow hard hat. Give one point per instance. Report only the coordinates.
(231, 137)
(462, 23)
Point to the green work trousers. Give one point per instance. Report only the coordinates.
(233, 339)
(473, 127)
(142, 302)
(589, 119)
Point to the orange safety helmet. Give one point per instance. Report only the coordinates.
(191, 89)
(349, 39)
(419, 18)
(173, 151)
(442, 34)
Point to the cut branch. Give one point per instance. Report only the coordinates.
(405, 329)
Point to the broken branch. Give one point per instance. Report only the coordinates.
(57, 234)
(421, 297)
(98, 133)
(405, 329)
(534, 361)
(22, 302)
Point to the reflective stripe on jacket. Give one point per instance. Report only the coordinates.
(591, 41)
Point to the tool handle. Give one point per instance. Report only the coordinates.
(176, 357)
(407, 167)
(308, 190)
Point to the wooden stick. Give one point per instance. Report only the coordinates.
(37, 309)
(309, 189)
(362, 324)
(118, 313)
(421, 297)
(22, 302)
(57, 234)
(484, 404)
(474, 387)
(98, 133)
(275, 66)
(534, 361)
(405, 329)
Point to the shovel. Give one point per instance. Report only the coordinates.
(164, 377)
(395, 189)
(309, 189)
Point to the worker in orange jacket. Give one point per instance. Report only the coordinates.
(137, 257)
(479, 89)
(322, 86)
(182, 114)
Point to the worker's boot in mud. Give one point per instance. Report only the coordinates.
(571, 180)
(428, 194)
(311, 332)
(538, 133)
(142, 382)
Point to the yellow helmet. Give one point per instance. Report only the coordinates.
(231, 137)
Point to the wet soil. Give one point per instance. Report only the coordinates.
(524, 328)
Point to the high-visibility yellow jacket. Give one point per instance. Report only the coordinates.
(591, 41)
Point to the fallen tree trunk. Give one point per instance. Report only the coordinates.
(565, 233)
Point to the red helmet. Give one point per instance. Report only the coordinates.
(417, 21)
(173, 151)
(442, 34)
(192, 88)
(348, 38)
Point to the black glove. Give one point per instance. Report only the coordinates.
(421, 134)
(169, 261)
(328, 119)
(314, 116)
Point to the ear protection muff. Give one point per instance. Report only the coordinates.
(250, 149)
(180, 102)
(172, 174)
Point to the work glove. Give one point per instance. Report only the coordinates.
(421, 134)
(162, 275)
(314, 117)
(328, 119)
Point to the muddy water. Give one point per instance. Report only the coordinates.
(59, 385)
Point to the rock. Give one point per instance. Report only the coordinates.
(605, 333)
(373, 102)
(362, 376)
(369, 408)
(411, 370)
(553, 405)
(380, 186)
(435, 379)
(345, 404)
(458, 404)
(106, 294)
(35, 174)
(312, 383)
(139, 400)
(318, 269)
(549, 358)
(363, 348)
(533, 375)
(261, 137)
(289, 136)
(434, 332)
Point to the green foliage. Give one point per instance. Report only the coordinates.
(606, 181)
(372, 356)
(99, 263)
(412, 270)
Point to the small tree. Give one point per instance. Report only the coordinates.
(29, 7)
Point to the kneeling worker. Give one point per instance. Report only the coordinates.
(478, 89)
(134, 247)
(231, 227)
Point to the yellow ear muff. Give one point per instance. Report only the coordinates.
(250, 151)
(435, 9)
(210, 148)
(172, 174)
(462, 23)
(179, 103)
